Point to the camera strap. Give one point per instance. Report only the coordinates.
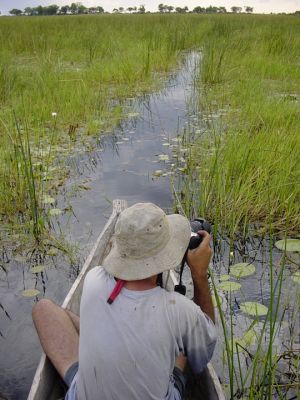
(180, 288)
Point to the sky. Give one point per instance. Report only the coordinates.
(260, 6)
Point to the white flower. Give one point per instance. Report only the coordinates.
(54, 114)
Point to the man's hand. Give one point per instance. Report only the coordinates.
(198, 259)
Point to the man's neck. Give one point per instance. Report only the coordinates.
(143, 284)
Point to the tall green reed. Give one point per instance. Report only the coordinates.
(248, 159)
(76, 67)
(242, 170)
(23, 155)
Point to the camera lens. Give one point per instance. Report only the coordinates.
(198, 224)
(194, 242)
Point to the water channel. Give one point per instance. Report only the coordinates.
(133, 163)
(123, 166)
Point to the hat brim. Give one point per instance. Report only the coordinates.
(168, 258)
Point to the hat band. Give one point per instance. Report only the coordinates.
(148, 253)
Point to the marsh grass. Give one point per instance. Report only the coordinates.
(23, 155)
(242, 173)
(246, 164)
(81, 68)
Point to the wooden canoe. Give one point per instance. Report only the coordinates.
(47, 385)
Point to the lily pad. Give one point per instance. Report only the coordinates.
(52, 252)
(133, 115)
(37, 269)
(48, 199)
(238, 344)
(41, 153)
(158, 172)
(30, 293)
(296, 277)
(20, 258)
(249, 338)
(163, 157)
(37, 164)
(242, 269)
(223, 278)
(48, 177)
(253, 308)
(288, 244)
(229, 286)
(233, 345)
(55, 211)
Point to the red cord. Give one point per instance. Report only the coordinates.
(117, 289)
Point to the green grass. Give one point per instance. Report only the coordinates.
(247, 161)
(243, 170)
(81, 68)
(243, 174)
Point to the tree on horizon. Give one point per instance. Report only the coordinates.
(16, 11)
(235, 9)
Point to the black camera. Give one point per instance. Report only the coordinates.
(198, 224)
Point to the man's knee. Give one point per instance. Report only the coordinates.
(42, 308)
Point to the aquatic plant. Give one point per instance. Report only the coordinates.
(253, 332)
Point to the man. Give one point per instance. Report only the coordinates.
(134, 334)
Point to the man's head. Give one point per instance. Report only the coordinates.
(147, 242)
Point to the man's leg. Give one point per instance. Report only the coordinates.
(180, 362)
(57, 333)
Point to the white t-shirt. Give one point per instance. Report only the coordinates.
(127, 349)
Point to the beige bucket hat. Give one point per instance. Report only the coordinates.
(147, 242)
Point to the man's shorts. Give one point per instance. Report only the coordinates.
(178, 375)
(71, 382)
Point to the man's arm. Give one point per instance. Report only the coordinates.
(198, 260)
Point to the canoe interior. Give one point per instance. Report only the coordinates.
(200, 387)
(47, 384)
